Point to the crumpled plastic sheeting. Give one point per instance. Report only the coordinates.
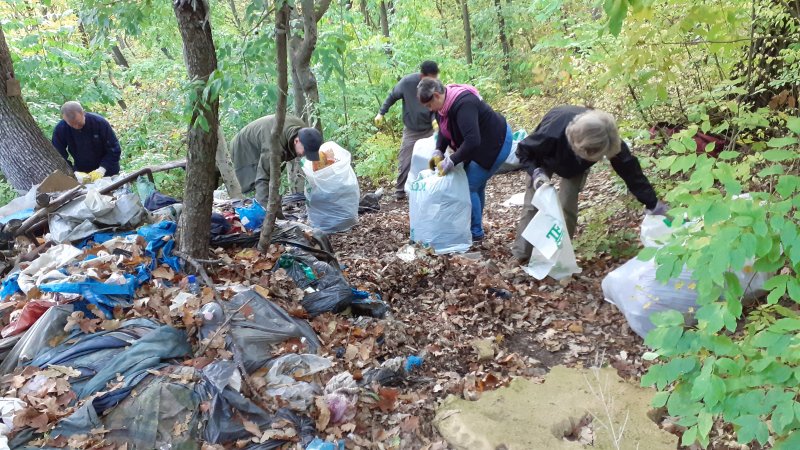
(282, 379)
(37, 338)
(160, 244)
(105, 296)
(227, 407)
(10, 287)
(332, 292)
(27, 201)
(29, 315)
(253, 337)
(77, 219)
(54, 258)
(138, 345)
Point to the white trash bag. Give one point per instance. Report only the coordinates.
(422, 153)
(634, 289)
(332, 193)
(552, 248)
(440, 210)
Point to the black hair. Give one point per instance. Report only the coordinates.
(428, 68)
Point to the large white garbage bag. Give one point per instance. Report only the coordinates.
(440, 211)
(332, 193)
(552, 248)
(423, 152)
(634, 289)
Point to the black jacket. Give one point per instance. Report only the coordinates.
(548, 148)
(478, 132)
(93, 146)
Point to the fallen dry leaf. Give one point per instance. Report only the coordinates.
(324, 414)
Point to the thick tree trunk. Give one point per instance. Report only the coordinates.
(501, 22)
(281, 29)
(467, 30)
(201, 60)
(295, 42)
(119, 58)
(365, 13)
(26, 156)
(302, 50)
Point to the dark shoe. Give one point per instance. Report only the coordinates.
(477, 239)
(400, 197)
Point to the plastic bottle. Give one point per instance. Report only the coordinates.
(192, 285)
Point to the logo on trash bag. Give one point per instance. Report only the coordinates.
(556, 233)
(418, 186)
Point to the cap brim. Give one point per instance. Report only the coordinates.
(312, 156)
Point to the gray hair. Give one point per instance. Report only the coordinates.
(427, 87)
(71, 108)
(593, 135)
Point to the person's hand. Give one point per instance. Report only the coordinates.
(96, 174)
(660, 209)
(436, 158)
(538, 178)
(379, 119)
(445, 166)
(82, 177)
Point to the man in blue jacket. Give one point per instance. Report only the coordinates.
(89, 140)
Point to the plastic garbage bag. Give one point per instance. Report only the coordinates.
(227, 407)
(440, 211)
(634, 289)
(420, 156)
(251, 216)
(341, 397)
(512, 161)
(282, 379)
(367, 304)
(77, 220)
(38, 338)
(31, 312)
(332, 193)
(327, 290)
(552, 248)
(253, 335)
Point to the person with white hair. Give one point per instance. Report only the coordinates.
(568, 142)
(89, 140)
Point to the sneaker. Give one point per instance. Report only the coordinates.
(477, 239)
(400, 196)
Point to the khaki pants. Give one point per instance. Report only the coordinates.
(410, 137)
(568, 197)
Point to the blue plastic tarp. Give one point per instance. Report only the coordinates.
(21, 215)
(10, 287)
(159, 249)
(105, 296)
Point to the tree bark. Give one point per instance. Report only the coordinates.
(201, 60)
(501, 21)
(365, 13)
(384, 19)
(467, 30)
(119, 58)
(281, 30)
(26, 156)
(225, 167)
(302, 51)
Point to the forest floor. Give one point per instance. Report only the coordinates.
(440, 307)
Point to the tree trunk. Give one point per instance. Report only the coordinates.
(236, 20)
(26, 156)
(444, 21)
(295, 42)
(201, 60)
(501, 21)
(467, 30)
(302, 51)
(119, 58)
(281, 30)
(365, 13)
(225, 167)
(384, 19)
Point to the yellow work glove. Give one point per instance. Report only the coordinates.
(379, 119)
(82, 177)
(96, 174)
(435, 160)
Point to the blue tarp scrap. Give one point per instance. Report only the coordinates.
(103, 237)
(158, 249)
(105, 296)
(10, 287)
(20, 215)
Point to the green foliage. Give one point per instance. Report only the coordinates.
(7, 192)
(378, 159)
(744, 376)
(599, 236)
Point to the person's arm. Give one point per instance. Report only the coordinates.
(531, 150)
(627, 167)
(110, 160)
(60, 143)
(395, 95)
(467, 120)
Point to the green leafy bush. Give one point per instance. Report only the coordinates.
(378, 158)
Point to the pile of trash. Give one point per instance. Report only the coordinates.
(107, 339)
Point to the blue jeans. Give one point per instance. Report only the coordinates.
(477, 177)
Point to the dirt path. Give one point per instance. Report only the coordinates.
(440, 305)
